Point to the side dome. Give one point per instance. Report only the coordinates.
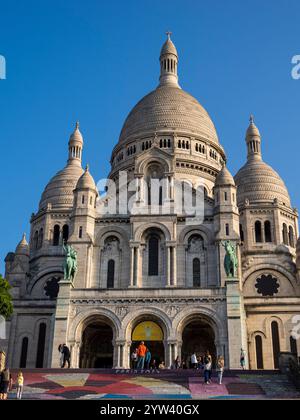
(224, 177)
(169, 108)
(256, 181)
(22, 247)
(59, 191)
(86, 181)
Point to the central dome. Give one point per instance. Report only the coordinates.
(169, 108)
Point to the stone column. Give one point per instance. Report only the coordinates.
(137, 267)
(132, 266)
(75, 355)
(168, 271)
(174, 266)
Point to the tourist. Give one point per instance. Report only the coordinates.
(200, 362)
(243, 359)
(207, 368)
(20, 385)
(147, 360)
(183, 365)
(66, 356)
(194, 361)
(61, 355)
(220, 368)
(5, 382)
(153, 366)
(134, 360)
(177, 363)
(142, 349)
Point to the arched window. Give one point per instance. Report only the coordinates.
(65, 233)
(276, 343)
(41, 346)
(293, 345)
(291, 237)
(268, 231)
(56, 234)
(285, 235)
(258, 232)
(80, 232)
(196, 273)
(153, 256)
(259, 352)
(111, 274)
(24, 351)
(36, 240)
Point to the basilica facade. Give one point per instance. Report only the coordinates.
(152, 274)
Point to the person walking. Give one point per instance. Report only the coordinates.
(134, 360)
(20, 385)
(66, 356)
(243, 359)
(5, 381)
(147, 360)
(207, 368)
(220, 368)
(61, 355)
(142, 349)
(194, 361)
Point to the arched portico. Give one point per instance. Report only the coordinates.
(199, 330)
(151, 326)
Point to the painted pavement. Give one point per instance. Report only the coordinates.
(175, 385)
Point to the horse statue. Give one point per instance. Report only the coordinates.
(70, 263)
(231, 259)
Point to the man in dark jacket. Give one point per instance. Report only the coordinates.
(66, 355)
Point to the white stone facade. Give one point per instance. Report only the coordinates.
(165, 268)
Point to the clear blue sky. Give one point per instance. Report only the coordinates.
(93, 60)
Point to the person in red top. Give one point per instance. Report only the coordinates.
(142, 350)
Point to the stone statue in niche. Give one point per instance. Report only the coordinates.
(196, 245)
(112, 246)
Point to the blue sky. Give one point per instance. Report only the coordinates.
(93, 60)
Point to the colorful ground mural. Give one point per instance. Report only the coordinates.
(177, 385)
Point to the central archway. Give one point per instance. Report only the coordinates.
(97, 346)
(197, 337)
(151, 333)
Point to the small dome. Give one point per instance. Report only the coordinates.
(258, 182)
(168, 48)
(59, 191)
(86, 181)
(76, 136)
(252, 131)
(23, 247)
(224, 177)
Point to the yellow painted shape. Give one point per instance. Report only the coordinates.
(69, 380)
(147, 331)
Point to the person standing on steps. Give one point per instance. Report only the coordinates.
(20, 385)
(134, 360)
(220, 368)
(147, 360)
(207, 368)
(61, 355)
(243, 359)
(142, 349)
(194, 361)
(66, 356)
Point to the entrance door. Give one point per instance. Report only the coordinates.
(197, 337)
(97, 347)
(152, 335)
